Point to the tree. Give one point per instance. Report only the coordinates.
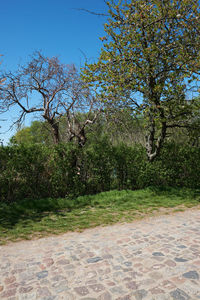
(48, 88)
(38, 132)
(77, 124)
(149, 60)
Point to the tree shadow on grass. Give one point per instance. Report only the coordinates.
(28, 211)
(34, 210)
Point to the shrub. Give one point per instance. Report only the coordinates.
(65, 170)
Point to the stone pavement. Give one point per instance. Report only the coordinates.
(152, 259)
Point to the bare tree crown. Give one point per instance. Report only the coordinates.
(49, 88)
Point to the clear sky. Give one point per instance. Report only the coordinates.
(55, 27)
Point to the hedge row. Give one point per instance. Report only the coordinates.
(38, 171)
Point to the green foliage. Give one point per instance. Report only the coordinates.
(63, 170)
(66, 170)
(127, 165)
(38, 132)
(149, 53)
(23, 172)
(178, 165)
(97, 166)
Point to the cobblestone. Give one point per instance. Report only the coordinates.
(156, 258)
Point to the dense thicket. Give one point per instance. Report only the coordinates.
(65, 170)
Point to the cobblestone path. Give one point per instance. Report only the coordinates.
(152, 259)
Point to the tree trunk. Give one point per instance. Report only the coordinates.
(81, 138)
(55, 130)
(153, 146)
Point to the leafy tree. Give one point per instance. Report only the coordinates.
(149, 60)
(38, 132)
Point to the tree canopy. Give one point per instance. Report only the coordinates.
(149, 61)
(37, 133)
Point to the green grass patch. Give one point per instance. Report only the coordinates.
(31, 218)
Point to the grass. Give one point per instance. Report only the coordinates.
(36, 218)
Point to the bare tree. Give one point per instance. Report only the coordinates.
(46, 87)
(77, 122)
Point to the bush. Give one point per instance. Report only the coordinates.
(177, 166)
(23, 172)
(65, 170)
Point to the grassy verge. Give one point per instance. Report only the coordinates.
(32, 218)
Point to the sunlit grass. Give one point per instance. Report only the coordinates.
(35, 218)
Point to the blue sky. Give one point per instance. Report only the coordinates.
(53, 26)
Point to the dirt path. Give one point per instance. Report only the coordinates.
(151, 259)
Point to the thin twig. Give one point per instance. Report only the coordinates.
(92, 12)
